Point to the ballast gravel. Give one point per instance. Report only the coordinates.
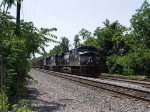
(124, 84)
(53, 94)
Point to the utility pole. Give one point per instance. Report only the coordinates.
(18, 11)
(18, 33)
(1, 72)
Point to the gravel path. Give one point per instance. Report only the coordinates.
(52, 94)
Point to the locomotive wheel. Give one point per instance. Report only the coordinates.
(78, 72)
(53, 68)
(72, 70)
(75, 71)
(85, 72)
(90, 71)
(61, 70)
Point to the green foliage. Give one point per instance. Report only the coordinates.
(9, 3)
(136, 61)
(55, 50)
(84, 33)
(3, 103)
(23, 106)
(76, 41)
(91, 41)
(113, 67)
(19, 44)
(110, 43)
(126, 76)
(64, 45)
(140, 21)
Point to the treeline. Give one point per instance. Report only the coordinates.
(123, 50)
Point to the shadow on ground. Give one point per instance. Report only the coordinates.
(41, 105)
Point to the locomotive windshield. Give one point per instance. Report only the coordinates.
(87, 49)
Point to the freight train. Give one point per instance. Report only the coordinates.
(83, 61)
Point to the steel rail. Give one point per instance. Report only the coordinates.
(124, 78)
(145, 84)
(130, 92)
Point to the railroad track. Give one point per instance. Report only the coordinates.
(143, 83)
(126, 91)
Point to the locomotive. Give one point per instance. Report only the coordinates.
(83, 61)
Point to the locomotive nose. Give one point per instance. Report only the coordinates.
(90, 60)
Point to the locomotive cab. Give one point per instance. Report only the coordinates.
(84, 60)
(88, 55)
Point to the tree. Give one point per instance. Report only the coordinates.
(9, 3)
(76, 41)
(84, 33)
(104, 44)
(64, 44)
(140, 21)
(106, 23)
(137, 59)
(110, 43)
(18, 49)
(55, 50)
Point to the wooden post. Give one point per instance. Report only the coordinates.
(18, 12)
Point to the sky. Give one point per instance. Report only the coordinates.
(70, 16)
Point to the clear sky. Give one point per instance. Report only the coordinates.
(70, 16)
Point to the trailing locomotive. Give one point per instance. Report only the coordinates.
(83, 61)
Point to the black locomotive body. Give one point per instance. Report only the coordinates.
(45, 62)
(83, 61)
